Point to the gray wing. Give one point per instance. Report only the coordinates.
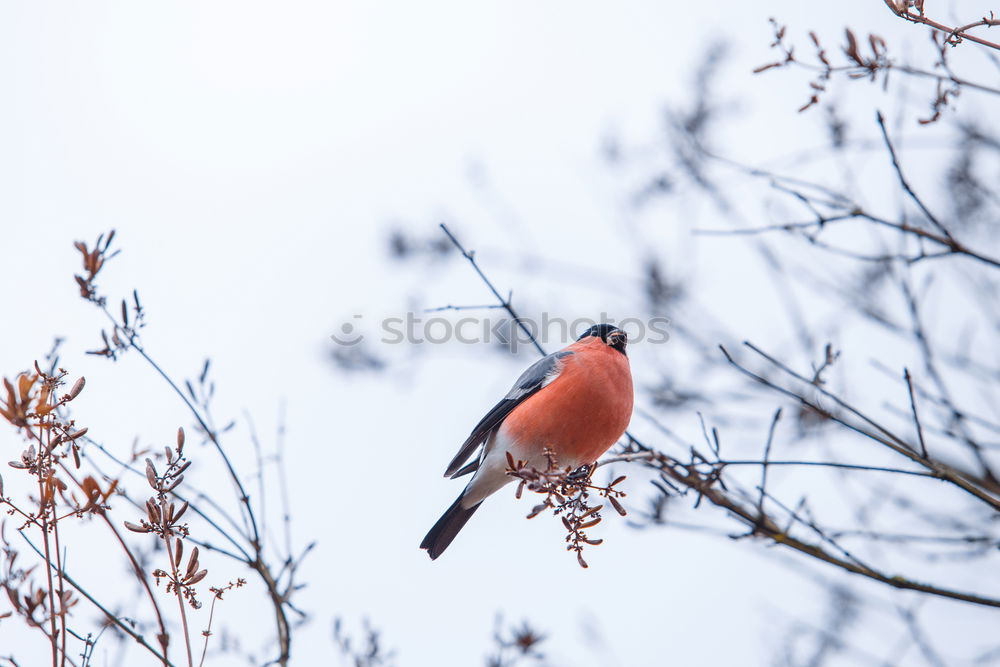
(537, 376)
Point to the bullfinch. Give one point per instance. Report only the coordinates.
(576, 402)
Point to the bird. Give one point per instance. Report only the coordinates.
(576, 403)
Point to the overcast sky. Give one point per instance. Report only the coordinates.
(254, 157)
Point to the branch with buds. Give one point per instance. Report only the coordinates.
(246, 533)
(567, 493)
(868, 59)
(913, 11)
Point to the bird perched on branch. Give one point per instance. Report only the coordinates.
(576, 403)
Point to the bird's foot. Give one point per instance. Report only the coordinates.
(580, 474)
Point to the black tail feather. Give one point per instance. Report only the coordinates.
(447, 527)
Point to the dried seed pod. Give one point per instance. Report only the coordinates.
(764, 68)
(78, 434)
(135, 529)
(76, 456)
(180, 440)
(174, 484)
(192, 564)
(153, 512)
(16, 464)
(877, 44)
(536, 510)
(852, 48)
(617, 505)
(47, 449)
(579, 559)
(619, 480)
(77, 388)
(1, 486)
(594, 542)
(589, 524)
(178, 550)
(24, 383)
(150, 473)
(180, 512)
(169, 453)
(201, 574)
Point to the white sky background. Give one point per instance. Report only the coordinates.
(253, 158)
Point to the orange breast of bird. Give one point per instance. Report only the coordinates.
(581, 413)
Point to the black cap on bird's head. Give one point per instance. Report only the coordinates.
(610, 334)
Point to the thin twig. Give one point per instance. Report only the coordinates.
(913, 406)
(767, 456)
(505, 303)
(905, 184)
